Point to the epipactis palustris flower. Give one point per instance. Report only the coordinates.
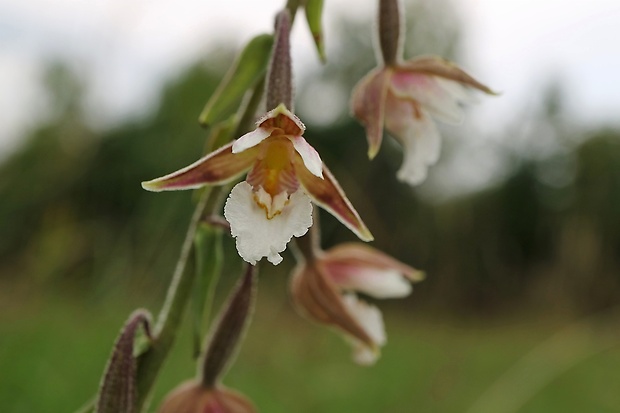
(324, 288)
(273, 204)
(403, 97)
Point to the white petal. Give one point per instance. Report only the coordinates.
(441, 97)
(370, 319)
(309, 155)
(419, 136)
(421, 149)
(459, 92)
(259, 237)
(376, 282)
(251, 139)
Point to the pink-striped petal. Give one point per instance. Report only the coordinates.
(428, 92)
(251, 139)
(437, 66)
(357, 254)
(309, 155)
(217, 167)
(358, 267)
(368, 106)
(327, 194)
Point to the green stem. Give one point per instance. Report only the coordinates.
(179, 291)
(88, 407)
(170, 316)
(308, 246)
(292, 6)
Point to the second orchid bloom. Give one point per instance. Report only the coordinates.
(273, 204)
(324, 287)
(404, 97)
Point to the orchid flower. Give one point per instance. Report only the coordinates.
(273, 204)
(405, 96)
(324, 288)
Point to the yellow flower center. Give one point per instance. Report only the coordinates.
(273, 176)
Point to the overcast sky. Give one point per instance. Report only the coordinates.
(127, 48)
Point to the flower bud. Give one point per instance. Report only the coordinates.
(390, 31)
(279, 88)
(118, 387)
(192, 397)
(229, 330)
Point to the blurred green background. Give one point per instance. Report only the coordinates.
(519, 312)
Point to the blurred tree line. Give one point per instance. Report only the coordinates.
(73, 216)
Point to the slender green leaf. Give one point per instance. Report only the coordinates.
(247, 70)
(314, 12)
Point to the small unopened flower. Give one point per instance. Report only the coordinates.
(405, 96)
(273, 204)
(192, 397)
(208, 394)
(324, 287)
(118, 386)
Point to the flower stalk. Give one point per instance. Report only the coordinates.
(169, 319)
(207, 394)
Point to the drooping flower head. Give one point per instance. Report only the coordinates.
(324, 287)
(404, 97)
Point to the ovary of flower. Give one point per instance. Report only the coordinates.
(274, 203)
(404, 98)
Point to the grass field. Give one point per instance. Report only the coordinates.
(52, 353)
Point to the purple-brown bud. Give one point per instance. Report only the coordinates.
(279, 87)
(118, 387)
(229, 330)
(390, 27)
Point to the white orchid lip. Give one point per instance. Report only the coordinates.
(370, 319)
(413, 127)
(257, 236)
